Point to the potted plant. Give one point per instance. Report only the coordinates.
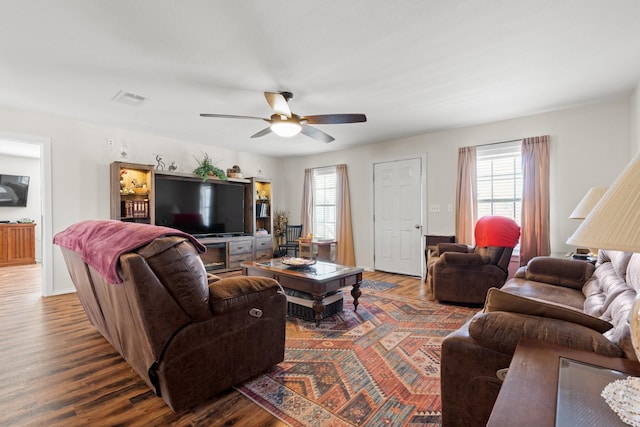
(206, 169)
(281, 219)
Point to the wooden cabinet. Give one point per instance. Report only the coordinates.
(133, 199)
(17, 244)
(132, 192)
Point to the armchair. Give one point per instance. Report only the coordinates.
(460, 274)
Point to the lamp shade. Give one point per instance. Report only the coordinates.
(587, 203)
(614, 222)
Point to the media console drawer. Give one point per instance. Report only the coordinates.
(240, 246)
(264, 247)
(264, 243)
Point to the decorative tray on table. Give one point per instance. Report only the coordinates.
(300, 263)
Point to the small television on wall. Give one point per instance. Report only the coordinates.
(14, 190)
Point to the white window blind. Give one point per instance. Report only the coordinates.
(324, 203)
(499, 180)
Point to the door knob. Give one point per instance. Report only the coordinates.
(418, 226)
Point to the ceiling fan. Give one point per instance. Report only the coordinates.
(285, 123)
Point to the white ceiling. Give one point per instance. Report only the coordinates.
(412, 66)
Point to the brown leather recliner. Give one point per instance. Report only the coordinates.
(188, 337)
(460, 274)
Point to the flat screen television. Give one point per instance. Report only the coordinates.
(200, 208)
(14, 190)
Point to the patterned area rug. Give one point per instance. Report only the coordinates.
(378, 366)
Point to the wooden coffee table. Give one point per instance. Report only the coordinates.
(318, 280)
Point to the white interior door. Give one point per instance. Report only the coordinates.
(398, 216)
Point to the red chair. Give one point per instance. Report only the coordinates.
(460, 274)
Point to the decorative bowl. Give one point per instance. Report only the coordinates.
(293, 262)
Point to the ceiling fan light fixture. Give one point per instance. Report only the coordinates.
(285, 128)
(287, 124)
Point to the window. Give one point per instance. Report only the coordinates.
(324, 203)
(499, 180)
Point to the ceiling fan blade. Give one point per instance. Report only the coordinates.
(314, 133)
(334, 119)
(263, 132)
(230, 116)
(278, 103)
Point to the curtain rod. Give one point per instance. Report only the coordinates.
(328, 166)
(501, 142)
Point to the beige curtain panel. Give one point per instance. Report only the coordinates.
(466, 195)
(306, 212)
(535, 238)
(345, 253)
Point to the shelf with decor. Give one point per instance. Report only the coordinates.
(132, 192)
(259, 195)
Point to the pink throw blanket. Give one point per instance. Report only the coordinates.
(100, 243)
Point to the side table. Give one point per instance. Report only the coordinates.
(529, 394)
(324, 249)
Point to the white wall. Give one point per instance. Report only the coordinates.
(13, 165)
(590, 145)
(80, 159)
(635, 121)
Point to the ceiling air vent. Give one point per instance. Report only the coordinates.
(129, 98)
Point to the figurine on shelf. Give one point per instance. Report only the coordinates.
(160, 163)
(173, 167)
(138, 187)
(234, 172)
(123, 172)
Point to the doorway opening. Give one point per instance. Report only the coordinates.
(32, 155)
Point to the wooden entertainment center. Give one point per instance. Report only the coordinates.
(133, 200)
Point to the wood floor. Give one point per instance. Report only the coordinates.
(57, 370)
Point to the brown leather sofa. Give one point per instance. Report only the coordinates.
(189, 336)
(557, 300)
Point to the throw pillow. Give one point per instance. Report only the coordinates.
(498, 300)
